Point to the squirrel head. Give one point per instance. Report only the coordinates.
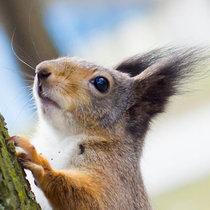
(77, 96)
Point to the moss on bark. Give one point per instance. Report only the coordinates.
(15, 190)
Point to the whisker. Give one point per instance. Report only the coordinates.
(12, 76)
(3, 68)
(30, 34)
(21, 60)
(29, 76)
(13, 71)
(29, 59)
(21, 110)
(29, 80)
(28, 88)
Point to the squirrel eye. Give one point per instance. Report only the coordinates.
(101, 84)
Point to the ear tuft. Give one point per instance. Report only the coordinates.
(138, 63)
(159, 75)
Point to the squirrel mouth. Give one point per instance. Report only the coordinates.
(46, 100)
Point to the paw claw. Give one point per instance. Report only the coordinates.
(22, 159)
(29, 157)
(13, 139)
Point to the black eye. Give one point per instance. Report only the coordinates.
(101, 84)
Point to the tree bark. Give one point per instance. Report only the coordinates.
(15, 190)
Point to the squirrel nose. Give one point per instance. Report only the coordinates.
(43, 73)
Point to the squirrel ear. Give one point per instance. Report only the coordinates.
(153, 87)
(136, 64)
(159, 74)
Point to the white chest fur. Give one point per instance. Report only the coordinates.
(58, 149)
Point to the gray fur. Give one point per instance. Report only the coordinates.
(115, 123)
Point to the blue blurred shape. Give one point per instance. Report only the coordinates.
(70, 24)
(15, 103)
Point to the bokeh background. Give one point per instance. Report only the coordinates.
(176, 159)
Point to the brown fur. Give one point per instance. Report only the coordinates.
(104, 169)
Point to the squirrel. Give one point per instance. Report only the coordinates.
(92, 125)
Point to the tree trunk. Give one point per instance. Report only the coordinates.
(29, 39)
(15, 193)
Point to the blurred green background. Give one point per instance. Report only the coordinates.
(176, 159)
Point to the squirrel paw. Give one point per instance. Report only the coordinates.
(29, 158)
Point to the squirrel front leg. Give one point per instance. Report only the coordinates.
(65, 189)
